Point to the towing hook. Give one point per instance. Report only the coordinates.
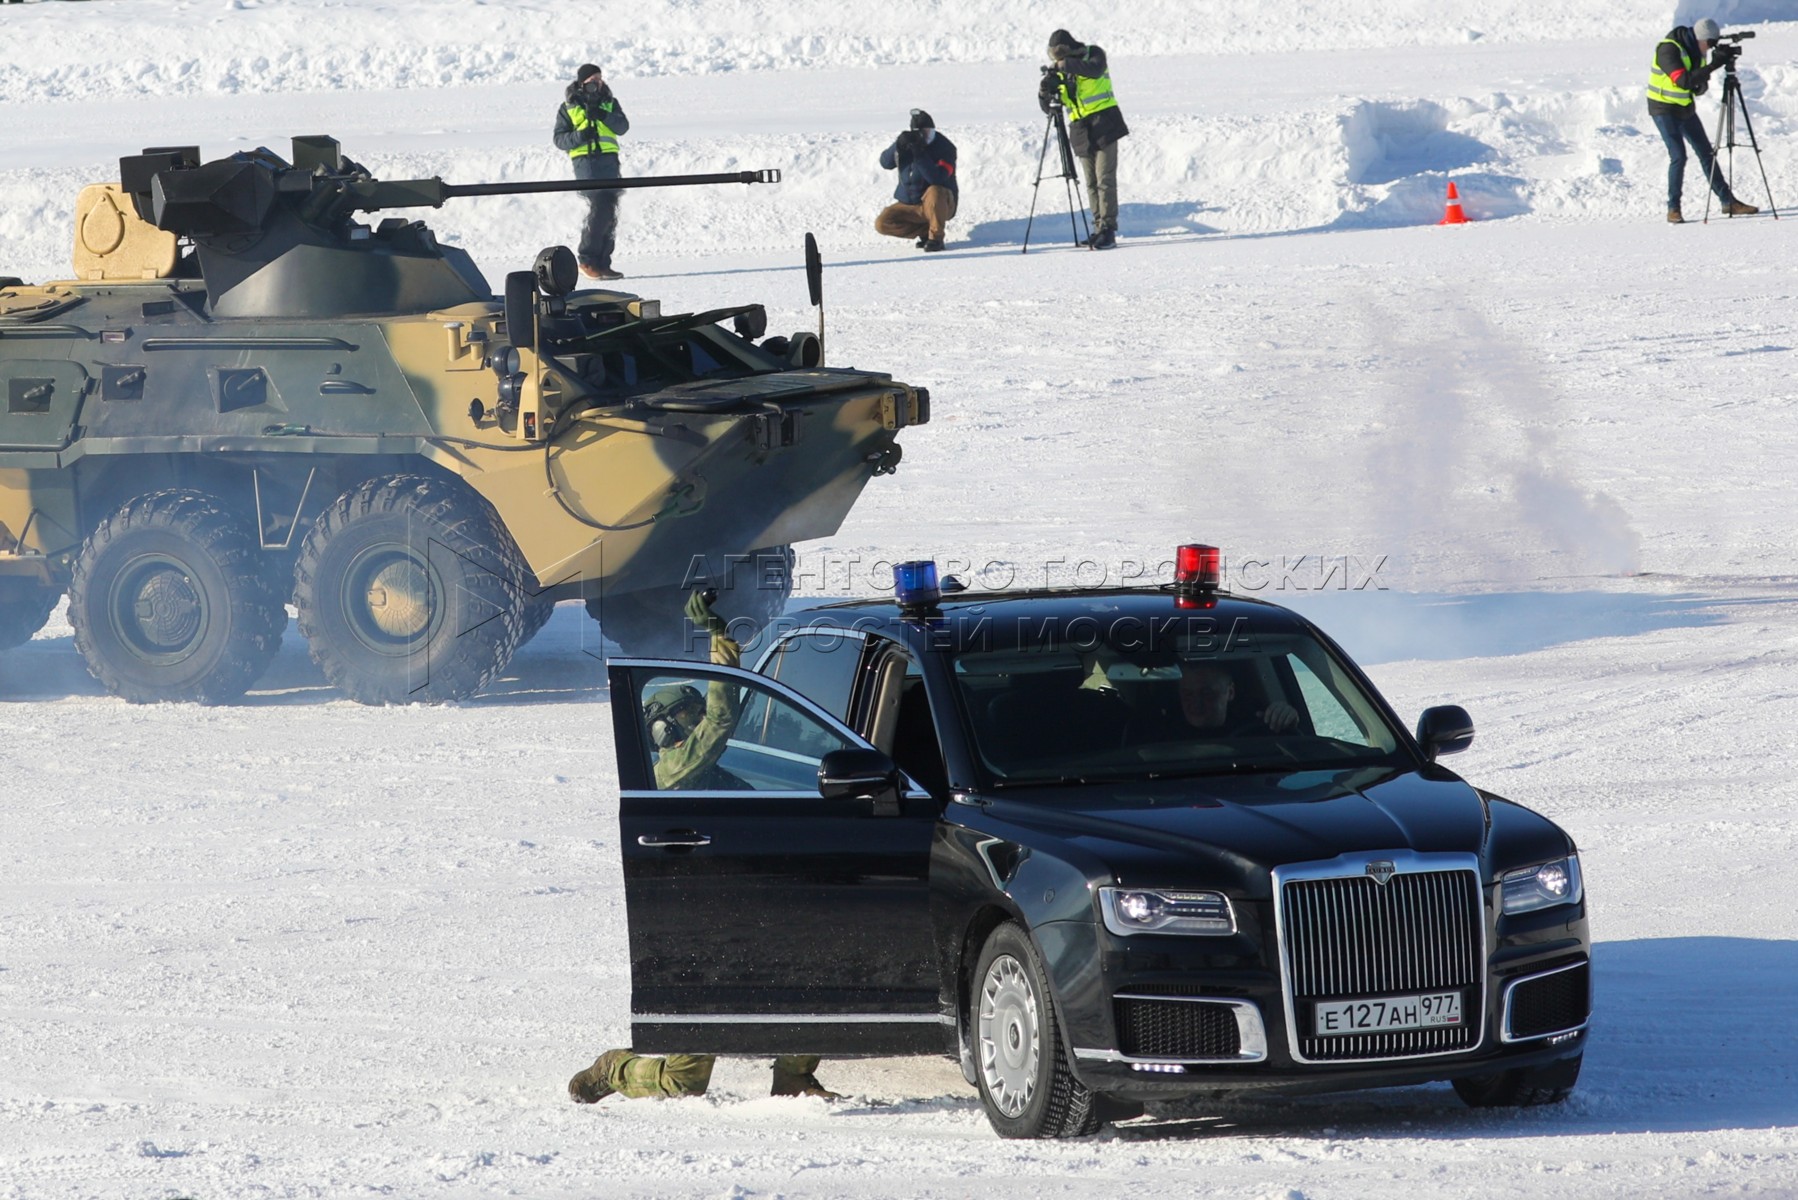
(885, 462)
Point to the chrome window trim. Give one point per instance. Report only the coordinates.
(1354, 866)
(1504, 1029)
(1251, 1032)
(791, 1019)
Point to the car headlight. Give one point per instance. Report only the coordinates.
(1552, 883)
(1140, 910)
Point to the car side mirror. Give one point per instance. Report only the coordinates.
(1445, 729)
(861, 775)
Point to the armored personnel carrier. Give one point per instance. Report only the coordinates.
(248, 397)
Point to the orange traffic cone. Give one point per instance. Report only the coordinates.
(1454, 215)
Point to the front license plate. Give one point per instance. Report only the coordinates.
(1429, 1011)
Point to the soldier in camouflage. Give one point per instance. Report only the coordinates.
(690, 733)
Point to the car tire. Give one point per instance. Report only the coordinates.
(1524, 1087)
(169, 600)
(410, 590)
(25, 605)
(1026, 1084)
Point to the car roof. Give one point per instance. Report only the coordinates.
(1000, 618)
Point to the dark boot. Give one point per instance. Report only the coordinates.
(1105, 239)
(787, 1083)
(595, 1083)
(932, 244)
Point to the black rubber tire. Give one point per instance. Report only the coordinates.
(1525, 1087)
(538, 609)
(1044, 1100)
(25, 604)
(410, 591)
(752, 589)
(170, 600)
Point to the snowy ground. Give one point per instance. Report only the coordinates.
(299, 947)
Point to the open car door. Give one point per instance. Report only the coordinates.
(765, 918)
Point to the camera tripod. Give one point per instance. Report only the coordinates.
(1059, 127)
(1726, 139)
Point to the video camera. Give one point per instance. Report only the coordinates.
(1729, 48)
(1048, 92)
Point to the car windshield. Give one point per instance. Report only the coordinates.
(1071, 714)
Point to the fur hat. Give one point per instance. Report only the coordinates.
(1061, 43)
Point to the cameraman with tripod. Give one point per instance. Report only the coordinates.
(1080, 81)
(1678, 76)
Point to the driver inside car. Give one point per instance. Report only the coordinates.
(1206, 693)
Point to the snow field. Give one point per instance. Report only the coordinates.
(298, 947)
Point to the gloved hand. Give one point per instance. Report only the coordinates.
(908, 141)
(1280, 717)
(699, 611)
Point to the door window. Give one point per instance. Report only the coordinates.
(720, 733)
(820, 667)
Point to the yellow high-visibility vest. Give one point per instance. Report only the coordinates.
(1660, 85)
(603, 141)
(1089, 96)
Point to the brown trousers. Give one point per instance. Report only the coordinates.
(918, 220)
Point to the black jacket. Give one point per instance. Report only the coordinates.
(606, 108)
(1089, 134)
(934, 166)
(1667, 58)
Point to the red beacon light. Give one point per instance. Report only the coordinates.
(1198, 568)
(1197, 572)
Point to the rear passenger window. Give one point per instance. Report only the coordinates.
(820, 667)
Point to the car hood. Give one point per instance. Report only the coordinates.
(1143, 832)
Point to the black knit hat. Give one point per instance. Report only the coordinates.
(921, 119)
(585, 70)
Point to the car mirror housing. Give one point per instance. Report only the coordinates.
(1445, 729)
(861, 775)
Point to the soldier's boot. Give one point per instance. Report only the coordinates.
(595, 1083)
(793, 1076)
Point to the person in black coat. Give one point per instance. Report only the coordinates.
(1678, 77)
(927, 193)
(1080, 82)
(588, 124)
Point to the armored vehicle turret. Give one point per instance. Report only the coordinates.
(249, 396)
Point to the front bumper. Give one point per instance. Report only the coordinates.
(1171, 1016)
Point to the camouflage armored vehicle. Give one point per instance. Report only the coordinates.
(247, 397)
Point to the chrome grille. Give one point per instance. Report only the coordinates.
(1348, 937)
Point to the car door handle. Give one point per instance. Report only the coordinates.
(684, 839)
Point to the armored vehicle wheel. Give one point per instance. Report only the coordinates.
(752, 590)
(25, 604)
(1524, 1087)
(410, 590)
(538, 609)
(170, 601)
(1025, 1082)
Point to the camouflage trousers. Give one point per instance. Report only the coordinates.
(687, 1074)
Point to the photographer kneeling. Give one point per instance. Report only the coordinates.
(926, 193)
(1678, 76)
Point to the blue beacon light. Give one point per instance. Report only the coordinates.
(915, 584)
